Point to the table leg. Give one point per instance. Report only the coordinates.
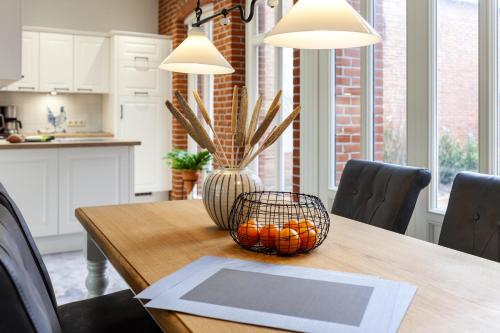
(96, 281)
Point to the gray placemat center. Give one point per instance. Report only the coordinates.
(297, 297)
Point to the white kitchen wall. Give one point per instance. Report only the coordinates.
(32, 109)
(93, 15)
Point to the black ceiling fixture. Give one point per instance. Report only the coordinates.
(225, 12)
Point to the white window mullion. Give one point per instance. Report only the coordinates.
(488, 86)
(278, 84)
(433, 147)
(367, 89)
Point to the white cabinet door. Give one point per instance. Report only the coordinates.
(91, 67)
(31, 177)
(56, 62)
(91, 177)
(142, 48)
(10, 41)
(141, 78)
(30, 63)
(146, 120)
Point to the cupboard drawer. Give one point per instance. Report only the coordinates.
(141, 49)
(144, 79)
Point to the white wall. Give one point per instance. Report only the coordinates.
(93, 15)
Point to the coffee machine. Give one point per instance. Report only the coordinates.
(9, 124)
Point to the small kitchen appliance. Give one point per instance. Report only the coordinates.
(9, 124)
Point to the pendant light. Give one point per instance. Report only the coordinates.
(310, 24)
(322, 24)
(197, 55)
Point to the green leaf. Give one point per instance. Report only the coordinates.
(183, 160)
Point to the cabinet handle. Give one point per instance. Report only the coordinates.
(25, 88)
(84, 89)
(141, 93)
(141, 58)
(61, 89)
(121, 111)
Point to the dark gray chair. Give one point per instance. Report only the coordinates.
(472, 220)
(383, 195)
(27, 301)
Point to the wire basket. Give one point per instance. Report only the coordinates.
(281, 223)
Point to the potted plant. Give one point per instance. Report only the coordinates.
(189, 164)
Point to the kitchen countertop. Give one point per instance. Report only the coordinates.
(74, 134)
(87, 142)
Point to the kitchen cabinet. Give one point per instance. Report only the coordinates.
(90, 177)
(144, 119)
(56, 62)
(30, 63)
(49, 184)
(136, 48)
(141, 78)
(135, 107)
(91, 64)
(31, 178)
(11, 41)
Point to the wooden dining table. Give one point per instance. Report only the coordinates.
(457, 292)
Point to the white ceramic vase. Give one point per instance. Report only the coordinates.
(222, 187)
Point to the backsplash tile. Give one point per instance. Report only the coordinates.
(32, 109)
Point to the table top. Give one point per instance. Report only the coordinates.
(456, 292)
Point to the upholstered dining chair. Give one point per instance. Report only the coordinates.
(380, 194)
(472, 220)
(27, 300)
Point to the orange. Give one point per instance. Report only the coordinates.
(307, 238)
(253, 222)
(248, 234)
(268, 236)
(292, 224)
(306, 224)
(287, 241)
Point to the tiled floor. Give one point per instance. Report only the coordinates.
(68, 272)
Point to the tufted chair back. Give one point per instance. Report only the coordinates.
(472, 220)
(383, 195)
(27, 302)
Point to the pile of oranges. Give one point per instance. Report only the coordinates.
(291, 237)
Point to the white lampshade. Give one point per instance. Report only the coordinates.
(322, 24)
(197, 55)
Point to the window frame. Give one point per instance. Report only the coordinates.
(252, 41)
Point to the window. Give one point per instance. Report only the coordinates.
(389, 80)
(426, 96)
(388, 98)
(457, 88)
(346, 122)
(271, 70)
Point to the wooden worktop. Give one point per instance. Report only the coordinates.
(457, 292)
(4, 145)
(73, 134)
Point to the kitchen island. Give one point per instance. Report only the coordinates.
(49, 180)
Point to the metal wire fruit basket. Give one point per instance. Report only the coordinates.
(282, 223)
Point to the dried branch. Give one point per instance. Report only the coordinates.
(253, 121)
(203, 109)
(242, 118)
(268, 119)
(197, 126)
(208, 120)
